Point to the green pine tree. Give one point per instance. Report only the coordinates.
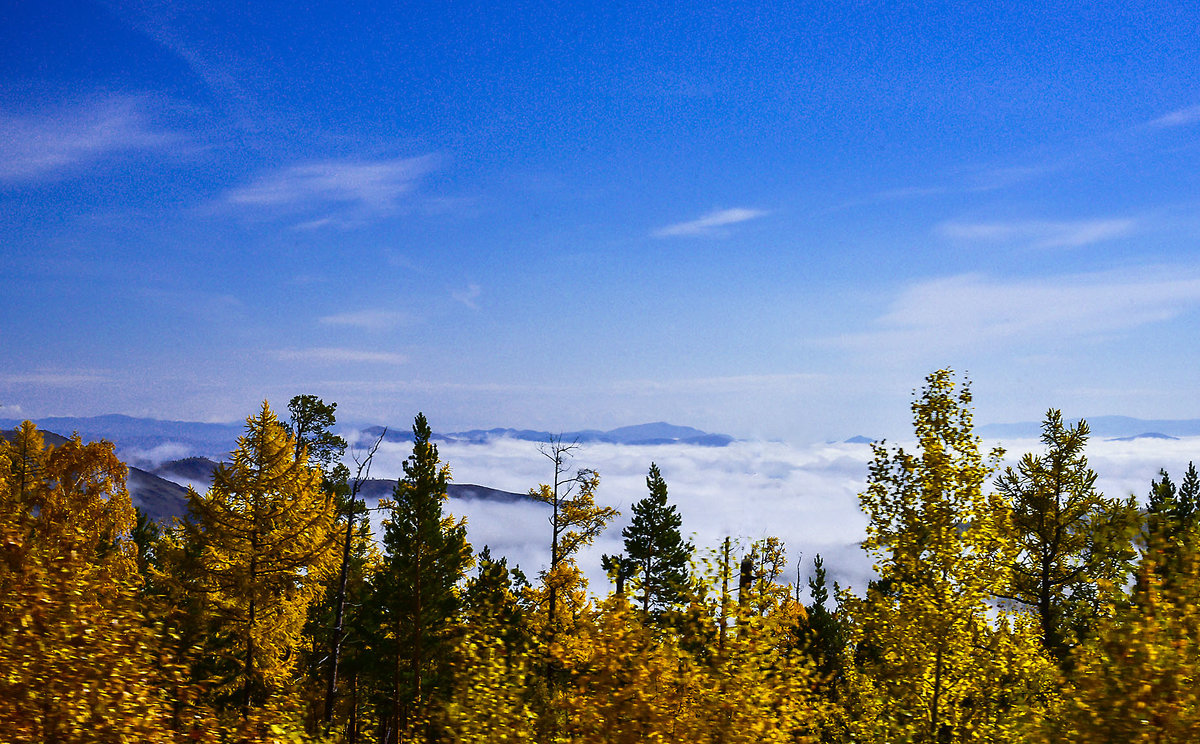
(824, 631)
(1070, 536)
(425, 556)
(1168, 533)
(654, 548)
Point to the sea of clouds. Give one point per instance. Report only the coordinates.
(806, 495)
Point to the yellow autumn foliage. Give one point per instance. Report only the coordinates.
(1139, 681)
(934, 660)
(267, 538)
(79, 661)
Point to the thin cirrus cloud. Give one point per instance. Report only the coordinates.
(52, 378)
(468, 296)
(336, 355)
(51, 144)
(1038, 233)
(710, 223)
(368, 320)
(1178, 118)
(974, 310)
(374, 186)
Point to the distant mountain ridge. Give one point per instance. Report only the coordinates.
(655, 433)
(162, 491)
(1105, 427)
(131, 433)
(134, 437)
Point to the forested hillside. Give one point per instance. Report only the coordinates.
(1010, 604)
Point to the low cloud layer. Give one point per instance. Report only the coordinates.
(805, 495)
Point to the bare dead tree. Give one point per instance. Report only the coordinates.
(362, 472)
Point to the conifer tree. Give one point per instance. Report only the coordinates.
(310, 426)
(824, 630)
(267, 548)
(490, 602)
(426, 554)
(1171, 520)
(1069, 536)
(655, 550)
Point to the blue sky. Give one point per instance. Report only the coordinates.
(764, 220)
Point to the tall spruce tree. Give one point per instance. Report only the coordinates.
(426, 554)
(1069, 536)
(654, 548)
(1169, 530)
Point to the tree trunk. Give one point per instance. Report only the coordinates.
(335, 644)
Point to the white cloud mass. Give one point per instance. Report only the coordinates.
(805, 495)
(370, 320)
(373, 185)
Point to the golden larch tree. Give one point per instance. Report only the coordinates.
(267, 532)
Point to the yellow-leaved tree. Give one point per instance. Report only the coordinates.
(934, 660)
(79, 661)
(266, 532)
(1137, 681)
(629, 679)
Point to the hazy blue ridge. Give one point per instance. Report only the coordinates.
(128, 432)
(1147, 435)
(1104, 427)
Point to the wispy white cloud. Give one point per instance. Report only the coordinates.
(710, 385)
(54, 378)
(1038, 233)
(335, 355)
(468, 296)
(971, 310)
(370, 320)
(373, 186)
(710, 223)
(187, 31)
(51, 144)
(1179, 118)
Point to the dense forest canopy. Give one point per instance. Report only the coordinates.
(1009, 604)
